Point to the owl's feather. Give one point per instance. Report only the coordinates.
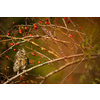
(21, 61)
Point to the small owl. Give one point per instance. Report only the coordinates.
(21, 61)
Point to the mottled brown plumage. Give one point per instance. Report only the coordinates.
(21, 61)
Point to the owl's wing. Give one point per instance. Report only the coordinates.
(17, 65)
(24, 63)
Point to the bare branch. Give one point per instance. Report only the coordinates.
(61, 58)
(66, 65)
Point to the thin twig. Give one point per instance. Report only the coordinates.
(74, 69)
(64, 28)
(61, 58)
(64, 66)
(64, 23)
(72, 22)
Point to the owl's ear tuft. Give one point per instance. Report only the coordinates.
(23, 49)
(24, 52)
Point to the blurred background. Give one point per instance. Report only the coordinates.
(83, 31)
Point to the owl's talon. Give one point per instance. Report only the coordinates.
(25, 72)
(18, 73)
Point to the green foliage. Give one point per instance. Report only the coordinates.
(97, 68)
(90, 64)
(98, 52)
(89, 56)
(94, 82)
(97, 79)
(86, 65)
(86, 40)
(82, 77)
(83, 45)
(84, 53)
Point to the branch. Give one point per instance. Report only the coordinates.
(66, 65)
(64, 28)
(61, 58)
(64, 23)
(74, 69)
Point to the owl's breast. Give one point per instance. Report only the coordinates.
(20, 63)
(17, 65)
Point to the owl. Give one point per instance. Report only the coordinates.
(21, 61)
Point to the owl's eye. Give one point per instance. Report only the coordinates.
(23, 52)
